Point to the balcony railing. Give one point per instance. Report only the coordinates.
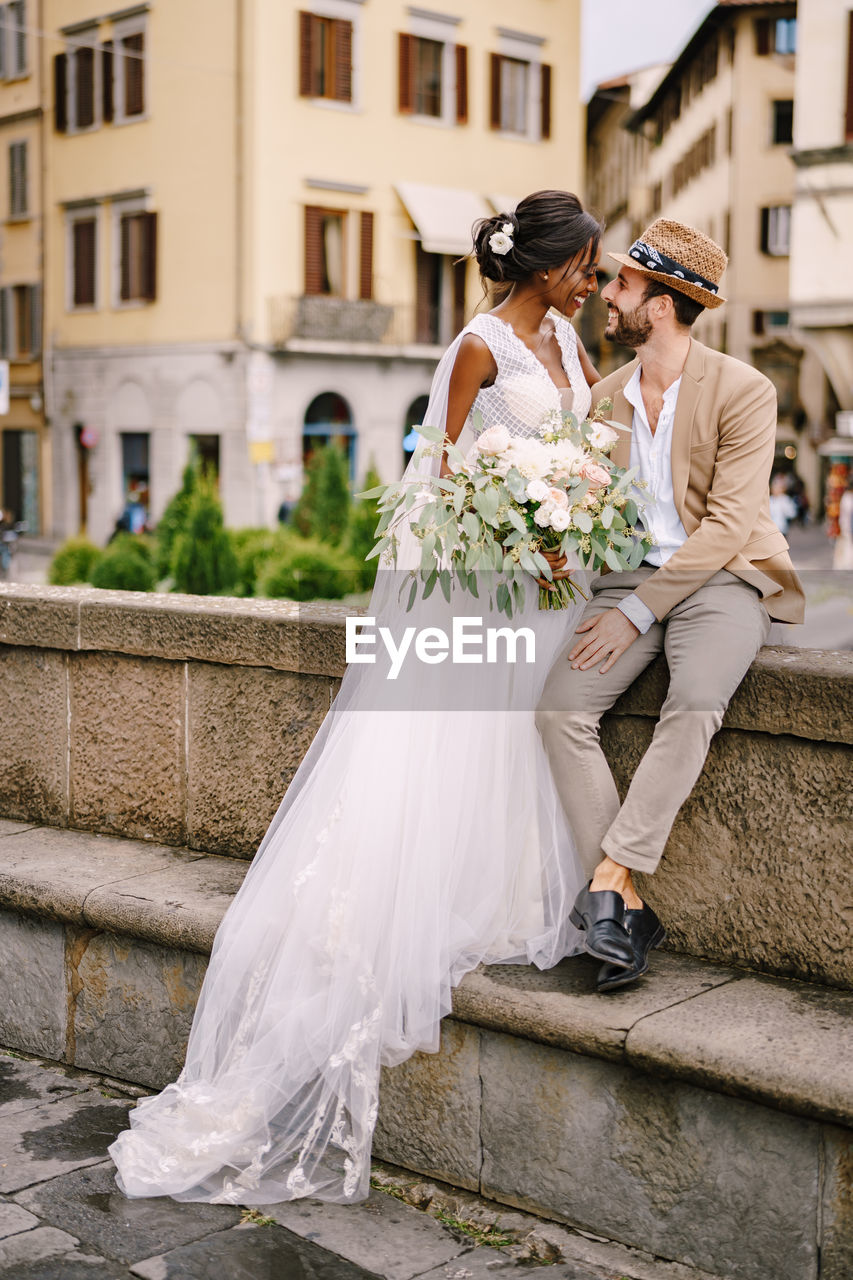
(322, 319)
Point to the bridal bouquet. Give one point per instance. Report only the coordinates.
(510, 499)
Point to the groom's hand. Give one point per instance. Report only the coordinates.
(607, 637)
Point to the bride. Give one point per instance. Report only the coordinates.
(417, 840)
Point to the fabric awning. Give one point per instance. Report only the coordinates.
(443, 216)
(836, 447)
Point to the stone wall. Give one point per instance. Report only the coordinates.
(183, 719)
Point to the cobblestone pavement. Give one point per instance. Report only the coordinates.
(62, 1217)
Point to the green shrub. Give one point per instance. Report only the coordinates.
(323, 508)
(311, 570)
(253, 549)
(125, 565)
(73, 562)
(360, 539)
(203, 561)
(174, 518)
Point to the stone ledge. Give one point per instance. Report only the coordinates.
(807, 693)
(781, 1043)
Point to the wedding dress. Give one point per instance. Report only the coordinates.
(421, 836)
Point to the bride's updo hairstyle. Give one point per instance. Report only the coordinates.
(547, 228)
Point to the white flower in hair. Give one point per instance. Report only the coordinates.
(501, 242)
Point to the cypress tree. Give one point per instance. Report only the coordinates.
(204, 563)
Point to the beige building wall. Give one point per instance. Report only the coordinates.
(822, 233)
(726, 125)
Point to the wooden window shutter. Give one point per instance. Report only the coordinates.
(35, 320)
(763, 33)
(149, 259)
(461, 84)
(84, 88)
(365, 268)
(406, 80)
(343, 60)
(495, 91)
(765, 230)
(424, 318)
(107, 81)
(126, 243)
(60, 93)
(313, 250)
(306, 27)
(459, 274)
(545, 129)
(5, 323)
(134, 74)
(83, 266)
(848, 131)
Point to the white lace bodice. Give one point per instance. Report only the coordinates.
(524, 391)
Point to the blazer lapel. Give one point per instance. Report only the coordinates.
(682, 428)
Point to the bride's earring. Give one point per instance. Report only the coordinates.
(544, 275)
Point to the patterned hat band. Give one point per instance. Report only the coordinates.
(654, 260)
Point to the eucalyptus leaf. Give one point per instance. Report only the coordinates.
(612, 559)
(583, 521)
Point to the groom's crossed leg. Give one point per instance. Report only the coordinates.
(710, 639)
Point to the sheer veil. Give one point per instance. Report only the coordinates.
(411, 846)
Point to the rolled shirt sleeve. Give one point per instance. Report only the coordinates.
(637, 612)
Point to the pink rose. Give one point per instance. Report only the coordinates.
(597, 475)
(558, 497)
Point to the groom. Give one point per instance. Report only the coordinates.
(702, 434)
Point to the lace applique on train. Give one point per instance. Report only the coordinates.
(524, 391)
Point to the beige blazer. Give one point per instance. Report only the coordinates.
(723, 442)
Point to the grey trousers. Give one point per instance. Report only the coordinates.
(710, 640)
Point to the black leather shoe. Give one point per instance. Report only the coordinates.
(646, 932)
(601, 915)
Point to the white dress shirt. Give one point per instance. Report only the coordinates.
(651, 454)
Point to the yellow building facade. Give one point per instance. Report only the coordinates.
(254, 213)
(25, 492)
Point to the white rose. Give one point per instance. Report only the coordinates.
(560, 520)
(567, 458)
(602, 436)
(537, 491)
(500, 242)
(494, 440)
(531, 457)
(544, 516)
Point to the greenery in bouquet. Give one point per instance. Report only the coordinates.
(509, 500)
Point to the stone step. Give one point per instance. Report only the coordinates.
(704, 1115)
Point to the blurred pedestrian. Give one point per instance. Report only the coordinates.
(843, 555)
(783, 508)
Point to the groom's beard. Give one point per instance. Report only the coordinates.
(633, 328)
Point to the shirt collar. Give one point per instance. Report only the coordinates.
(632, 393)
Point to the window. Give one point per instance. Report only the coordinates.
(775, 35)
(18, 198)
(432, 78)
(776, 230)
(518, 87)
(137, 257)
(328, 421)
(439, 297)
(83, 84)
(84, 241)
(20, 321)
(13, 40)
(338, 253)
(325, 57)
(783, 120)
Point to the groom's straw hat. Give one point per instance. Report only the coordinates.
(680, 256)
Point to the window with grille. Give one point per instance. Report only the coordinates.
(338, 253)
(138, 257)
(18, 197)
(325, 57)
(84, 240)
